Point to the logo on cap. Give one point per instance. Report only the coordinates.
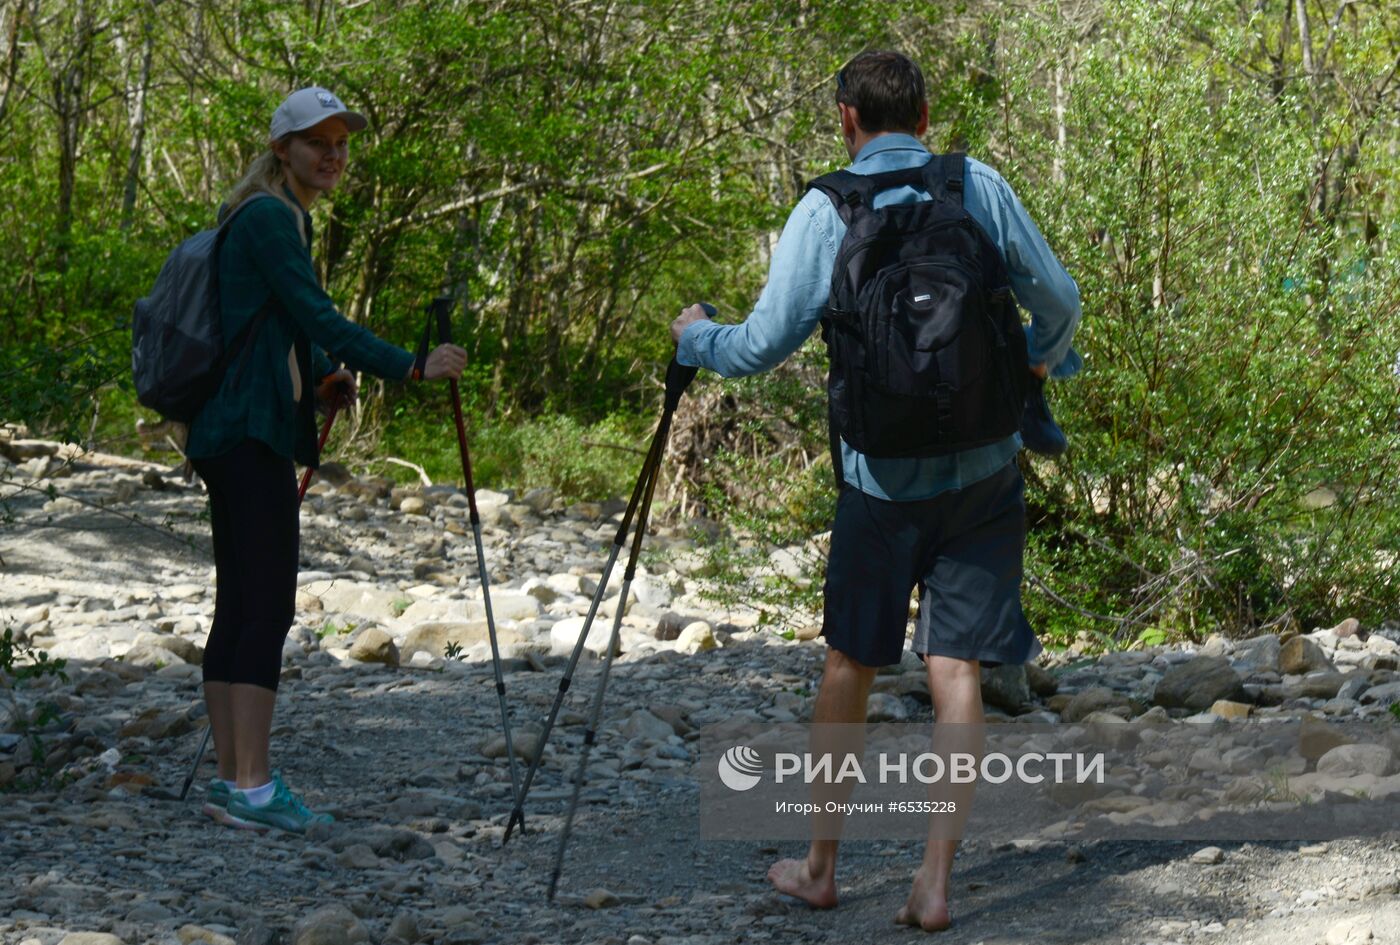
(328, 100)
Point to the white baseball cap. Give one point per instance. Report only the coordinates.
(308, 107)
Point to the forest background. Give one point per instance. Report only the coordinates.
(1219, 176)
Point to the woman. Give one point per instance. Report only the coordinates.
(245, 439)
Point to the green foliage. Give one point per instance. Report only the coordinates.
(1216, 204)
(578, 460)
(19, 664)
(332, 628)
(576, 172)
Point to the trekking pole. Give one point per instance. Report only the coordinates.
(325, 432)
(301, 495)
(441, 310)
(678, 377)
(198, 757)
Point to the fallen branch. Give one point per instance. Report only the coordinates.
(422, 473)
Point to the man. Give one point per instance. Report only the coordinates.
(952, 524)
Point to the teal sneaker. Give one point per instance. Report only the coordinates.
(216, 798)
(284, 812)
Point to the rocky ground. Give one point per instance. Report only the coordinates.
(106, 564)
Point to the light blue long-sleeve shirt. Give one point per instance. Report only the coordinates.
(799, 283)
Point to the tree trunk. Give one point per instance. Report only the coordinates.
(12, 57)
(1305, 37)
(138, 124)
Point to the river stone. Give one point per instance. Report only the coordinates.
(1041, 680)
(601, 899)
(1353, 931)
(150, 654)
(90, 938)
(1006, 686)
(374, 645)
(189, 652)
(433, 638)
(525, 742)
(1318, 685)
(643, 724)
(1316, 738)
(538, 500)
(1352, 760)
(404, 929)
(696, 638)
(652, 591)
(369, 601)
(563, 636)
(1347, 628)
(1301, 655)
(199, 935)
(1198, 683)
(670, 625)
(1096, 699)
(1259, 654)
(1231, 710)
(1386, 695)
(330, 925)
(514, 605)
(884, 707)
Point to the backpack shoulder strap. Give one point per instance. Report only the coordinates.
(227, 214)
(944, 176)
(848, 190)
(845, 190)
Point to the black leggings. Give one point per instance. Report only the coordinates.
(253, 508)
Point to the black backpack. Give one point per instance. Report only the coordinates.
(178, 350)
(928, 356)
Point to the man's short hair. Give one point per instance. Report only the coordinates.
(885, 88)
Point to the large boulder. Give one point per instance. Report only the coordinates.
(563, 636)
(1302, 655)
(1258, 654)
(1041, 680)
(1098, 699)
(1352, 760)
(1198, 684)
(374, 645)
(433, 637)
(514, 605)
(1006, 686)
(366, 601)
(1316, 738)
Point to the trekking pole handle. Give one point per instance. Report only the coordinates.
(679, 376)
(441, 311)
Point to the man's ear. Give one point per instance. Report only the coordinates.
(923, 121)
(850, 120)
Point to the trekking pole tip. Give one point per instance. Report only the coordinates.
(517, 816)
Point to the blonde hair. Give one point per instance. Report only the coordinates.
(264, 176)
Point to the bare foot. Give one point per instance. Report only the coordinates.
(795, 879)
(926, 909)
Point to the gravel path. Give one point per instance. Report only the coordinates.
(408, 758)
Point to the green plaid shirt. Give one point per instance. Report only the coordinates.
(263, 261)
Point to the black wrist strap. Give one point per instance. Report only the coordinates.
(420, 363)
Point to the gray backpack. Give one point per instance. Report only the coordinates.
(178, 351)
